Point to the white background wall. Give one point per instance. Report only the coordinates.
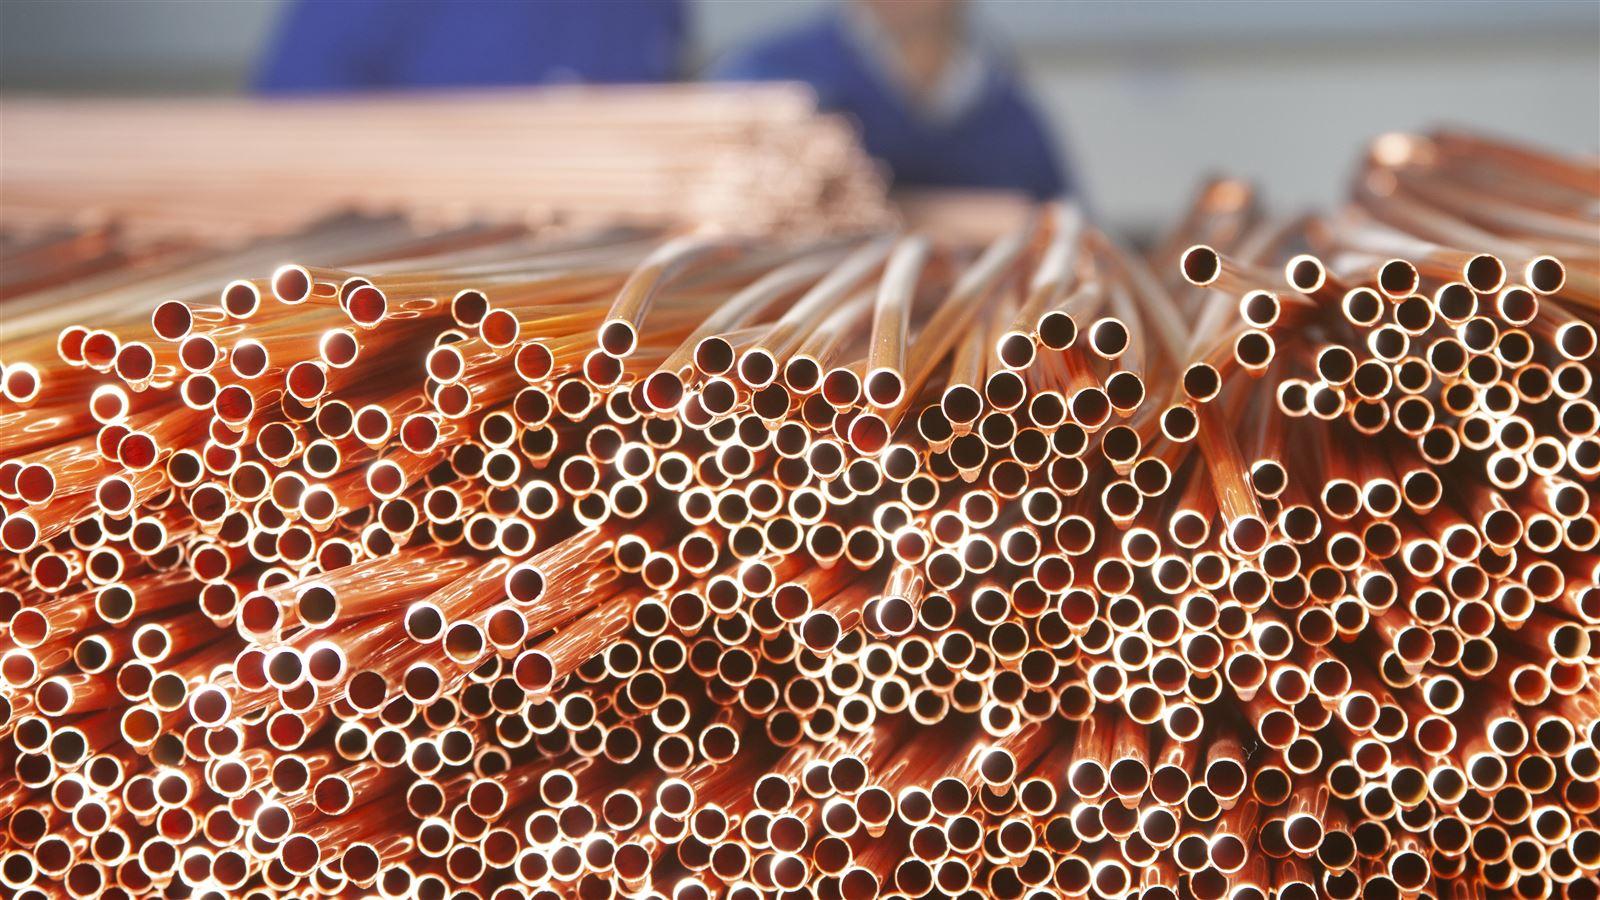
(1147, 95)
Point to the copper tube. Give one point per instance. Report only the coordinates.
(886, 355)
(1046, 292)
(645, 617)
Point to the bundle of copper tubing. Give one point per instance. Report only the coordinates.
(505, 564)
(756, 156)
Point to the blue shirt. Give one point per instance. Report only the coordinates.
(334, 45)
(995, 141)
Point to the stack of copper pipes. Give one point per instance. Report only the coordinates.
(498, 563)
(748, 156)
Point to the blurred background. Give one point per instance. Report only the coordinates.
(1143, 97)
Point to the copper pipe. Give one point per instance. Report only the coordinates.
(645, 617)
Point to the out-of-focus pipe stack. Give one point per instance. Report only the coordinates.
(746, 156)
(506, 564)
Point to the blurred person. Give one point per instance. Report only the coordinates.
(937, 102)
(351, 45)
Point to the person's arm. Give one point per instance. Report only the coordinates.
(330, 45)
(1054, 179)
(809, 53)
(744, 65)
(1049, 169)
